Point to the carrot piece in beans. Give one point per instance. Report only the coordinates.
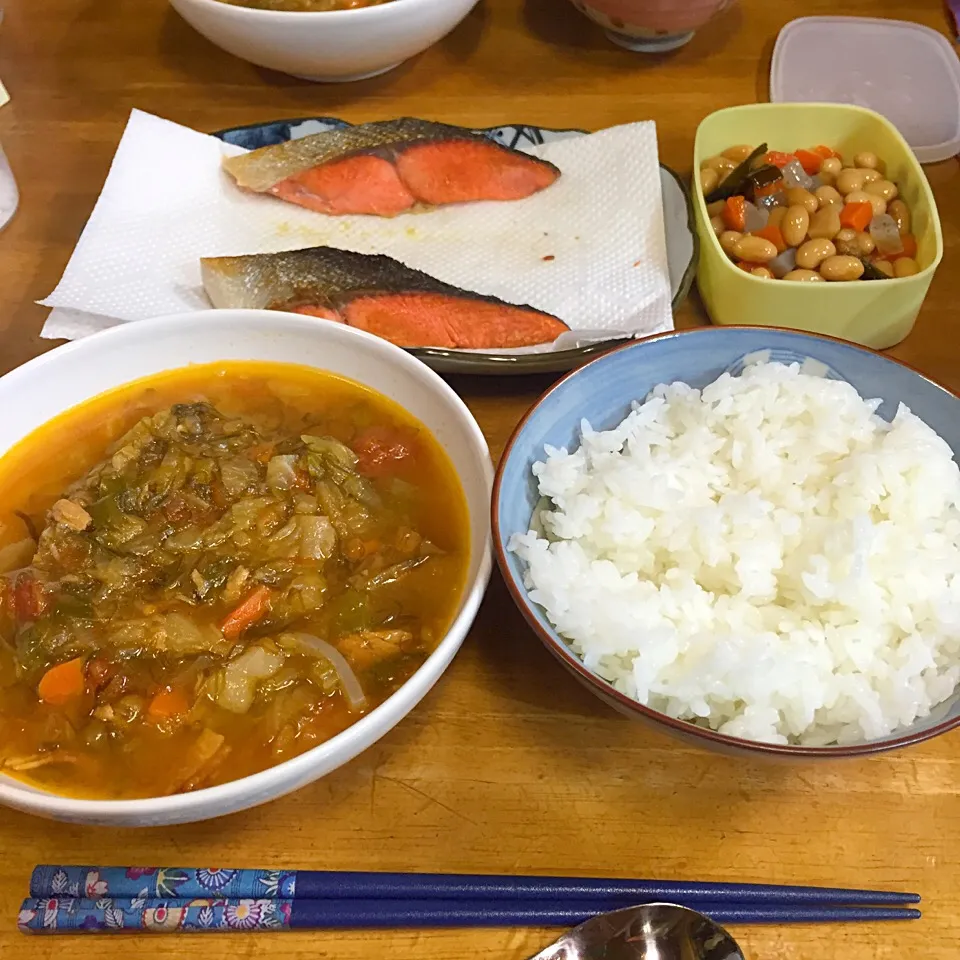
(774, 235)
(252, 609)
(856, 216)
(735, 213)
(62, 683)
(779, 159)
(768, 189)
(909, 243)
(810, 161)
(168, 704)
(825, 153)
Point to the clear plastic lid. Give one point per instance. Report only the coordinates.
(906, 72)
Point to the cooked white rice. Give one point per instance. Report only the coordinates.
(765, 556)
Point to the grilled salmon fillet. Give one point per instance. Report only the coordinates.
(389, 167)
(377, 294)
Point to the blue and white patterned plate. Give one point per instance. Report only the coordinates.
(681, 235)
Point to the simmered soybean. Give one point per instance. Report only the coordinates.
(809, 215)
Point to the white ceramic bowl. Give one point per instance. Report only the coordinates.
(334, 46)
(39, 390)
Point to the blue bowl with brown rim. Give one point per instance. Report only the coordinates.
(602, 392)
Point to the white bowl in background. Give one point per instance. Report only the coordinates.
(38, 391)
(333, 46)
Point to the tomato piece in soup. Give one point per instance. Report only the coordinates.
(384, 450)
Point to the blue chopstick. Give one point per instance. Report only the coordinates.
(53, 916)
(187, 882)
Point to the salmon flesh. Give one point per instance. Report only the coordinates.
(377, 294)
(390, 166)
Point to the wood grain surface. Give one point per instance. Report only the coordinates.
(508, 765)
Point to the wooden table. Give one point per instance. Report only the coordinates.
(508, 766)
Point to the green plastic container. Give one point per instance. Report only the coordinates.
(876, 314)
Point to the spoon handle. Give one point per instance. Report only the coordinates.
(584, 942)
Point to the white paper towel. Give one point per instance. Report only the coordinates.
(590, 249)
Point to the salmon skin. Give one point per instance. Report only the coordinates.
(389, 167)
(377, 294)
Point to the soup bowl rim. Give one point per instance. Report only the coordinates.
(295, 772)
(357, 14)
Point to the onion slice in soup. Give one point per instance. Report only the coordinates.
(349, 683)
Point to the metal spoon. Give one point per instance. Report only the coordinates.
(652, 931)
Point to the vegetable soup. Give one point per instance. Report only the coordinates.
(209, 571)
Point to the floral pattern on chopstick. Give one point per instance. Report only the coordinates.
(160, 883)
(196, 915)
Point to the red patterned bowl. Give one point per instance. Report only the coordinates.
(651, 26)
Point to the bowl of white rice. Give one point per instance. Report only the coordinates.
(749, 537)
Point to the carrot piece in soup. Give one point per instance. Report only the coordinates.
(168, 704)
(261, 452)
(252, 609)
(62, 683)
